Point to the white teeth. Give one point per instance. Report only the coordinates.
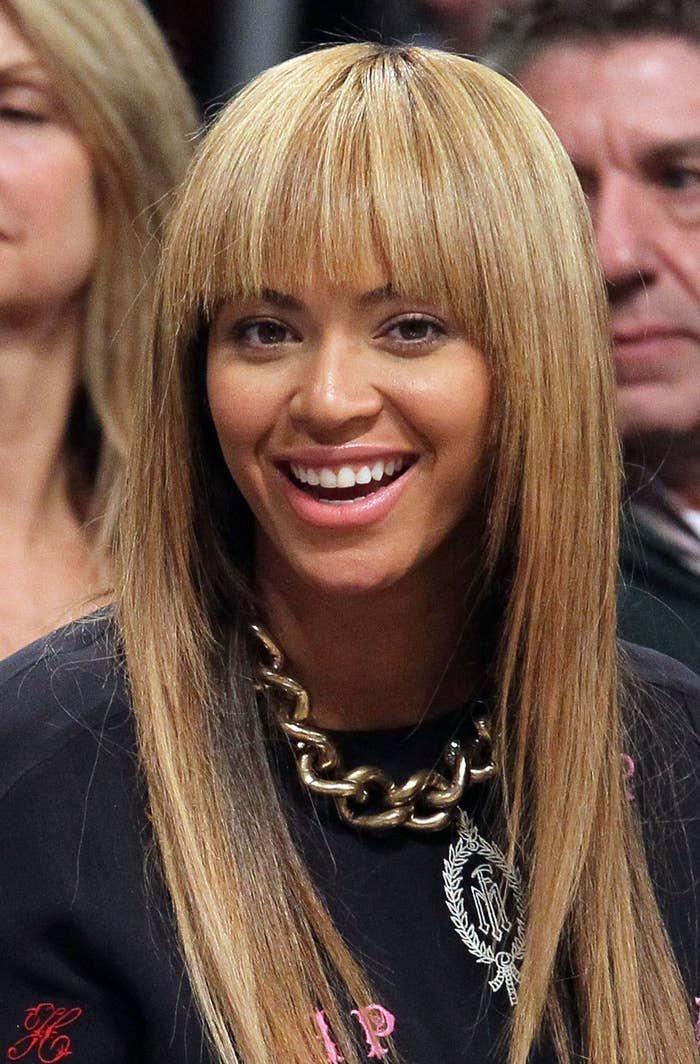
(346, 477)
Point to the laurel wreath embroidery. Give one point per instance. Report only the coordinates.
(469, 843)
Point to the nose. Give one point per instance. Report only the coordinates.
(624, 233)
(336, 398)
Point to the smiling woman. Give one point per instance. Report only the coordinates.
(392, 766)
(351, 409)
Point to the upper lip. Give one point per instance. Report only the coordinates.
(318, 457)
(649, 331)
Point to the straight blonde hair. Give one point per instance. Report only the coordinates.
(120, 87)
(445, 174)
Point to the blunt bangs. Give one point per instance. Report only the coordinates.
(326, 164)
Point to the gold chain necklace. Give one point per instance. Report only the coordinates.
(426, 801)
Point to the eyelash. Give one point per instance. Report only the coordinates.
(241, 328)
(416, 319)
(241, 331)
(18, 116)
(690, 175)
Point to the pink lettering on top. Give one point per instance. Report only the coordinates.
(628, 770)
(332, 1051)
(377, 1023)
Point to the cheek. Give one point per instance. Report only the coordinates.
(70, 200)
(49, 202)
(466, 448)
(241, 412)
(683, 256)
(453, 413)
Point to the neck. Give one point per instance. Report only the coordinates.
(677, 466)
(38, 375)
(685, 482)
(50, 572)
(385, 659)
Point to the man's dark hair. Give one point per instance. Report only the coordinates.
(524, 29)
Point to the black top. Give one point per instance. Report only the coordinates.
(89, 965)
(659, 596)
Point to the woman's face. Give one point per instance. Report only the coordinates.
(49, 225)
(354, 424)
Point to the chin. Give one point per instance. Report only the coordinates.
(658, 414)
(349, 581)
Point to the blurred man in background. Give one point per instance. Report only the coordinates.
(620, 82)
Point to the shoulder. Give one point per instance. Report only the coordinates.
(58, 691)
(661, 716)
(661, 703)
(85, 928)
(656, 679)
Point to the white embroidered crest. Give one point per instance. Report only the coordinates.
(492, 884)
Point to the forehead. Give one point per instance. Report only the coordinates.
(14, 49)
(628, 96)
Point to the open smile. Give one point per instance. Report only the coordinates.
(346, 494)
(347, 483)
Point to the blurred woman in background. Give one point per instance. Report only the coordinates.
(96, 126)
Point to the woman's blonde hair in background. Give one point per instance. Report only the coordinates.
(448, 177)
(120, 87)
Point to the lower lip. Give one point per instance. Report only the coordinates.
(367, 511)
(646, 358)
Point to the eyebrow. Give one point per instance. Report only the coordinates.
(658, 155)
(676, 148)
(285, 301)
(281, 299)
(377, 295)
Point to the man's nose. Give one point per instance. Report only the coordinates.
(623, 228)
(336, 397)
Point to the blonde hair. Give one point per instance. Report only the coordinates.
(449, 177)
(120, 87)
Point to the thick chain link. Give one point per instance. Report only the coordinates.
(426, 801)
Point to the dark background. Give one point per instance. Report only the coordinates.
(222, 43)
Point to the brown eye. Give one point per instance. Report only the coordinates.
(415, 329)
(264, 333)
(270, 332)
